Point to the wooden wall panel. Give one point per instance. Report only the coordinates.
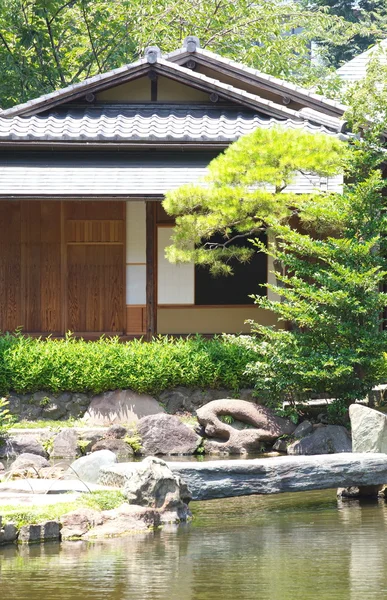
(136, 320)
(41, 266)
(99, 231)
(38, 290)
(95, 288)
(50, 267)
(10, 267)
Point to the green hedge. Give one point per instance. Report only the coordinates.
(29, 365)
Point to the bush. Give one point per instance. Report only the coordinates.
(74, 365)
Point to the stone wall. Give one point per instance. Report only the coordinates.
(46, 405)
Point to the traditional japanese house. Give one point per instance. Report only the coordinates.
(83, 171)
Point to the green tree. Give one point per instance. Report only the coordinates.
(46, 44)
(247, 191)
(369, 15)
(329, 252)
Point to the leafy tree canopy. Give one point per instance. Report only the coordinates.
(247, 190)
(46, 44)
(370, 15)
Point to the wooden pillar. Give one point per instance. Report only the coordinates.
(151, 299)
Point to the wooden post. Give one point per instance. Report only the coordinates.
(151, 308)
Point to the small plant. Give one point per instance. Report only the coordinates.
(83, 446)
(337, 413)
(227, 419)
(48, 445)
(6, 418)
(44, 401)
(288, 412)
(134, 441)
(200, 449)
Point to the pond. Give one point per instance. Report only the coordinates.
(306, 546)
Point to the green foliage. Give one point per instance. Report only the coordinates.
(48, 445)
(227, 419)
(82, 445)
(47, 44)
(330, 293)
(246, 191)
(369, 15)
(29, 365)
(328, 254)
(6, 419)
(134, 441)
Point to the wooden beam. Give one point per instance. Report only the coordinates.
(151, 306)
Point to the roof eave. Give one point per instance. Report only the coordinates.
(272, 85)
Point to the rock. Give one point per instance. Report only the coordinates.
(120, 406)
(125, 519)
(117, 432)
(281, 446)
(87, 468)
(26, 460)
(92, 436)
(78, 522)
(369, 429)
(54, 411)
(302, 430)
(325, 440)
(365, 491)
(153, 484)
(21, 444)
(65, 444)
(227, 478)
(29, 534)
(189, 399)
(266, 426)
(166, 434)
(8, 534)
(2, 467)
(120, 448)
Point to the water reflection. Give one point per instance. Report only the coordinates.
(287, 547)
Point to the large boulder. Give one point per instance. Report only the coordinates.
(369, 429)
(324, 440)
(87, 468)
(21, 444)
(166, 434)
(120, 448)
(262, 425)
(120, 406)
(66, 444)
(27, 460)
(152, 484)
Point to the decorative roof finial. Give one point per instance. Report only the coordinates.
(152, 54)
(191, 43)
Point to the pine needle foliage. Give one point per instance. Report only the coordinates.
(331, 296)
(329, 256)
(247, 189)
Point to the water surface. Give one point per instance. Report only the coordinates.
(303, 546)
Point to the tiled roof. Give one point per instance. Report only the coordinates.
(280, 85)
(145, 123)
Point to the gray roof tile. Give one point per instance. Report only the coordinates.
(144, 124)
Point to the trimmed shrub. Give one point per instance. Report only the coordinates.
(29, 364)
